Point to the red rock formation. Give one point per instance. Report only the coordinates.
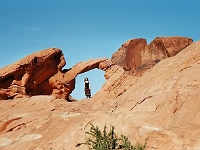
(136, 56)
(161, 108)
(169, 46)
(41, 74)
(69, 77)
(30, 75)
(118, 57)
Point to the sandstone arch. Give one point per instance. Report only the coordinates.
(82, 67)
(41, 74)
(96, 78)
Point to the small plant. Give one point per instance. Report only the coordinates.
(103, 140)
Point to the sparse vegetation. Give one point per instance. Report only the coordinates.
(103, 140)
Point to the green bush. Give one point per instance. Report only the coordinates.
(103, 140)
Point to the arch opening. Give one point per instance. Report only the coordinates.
(96, 79)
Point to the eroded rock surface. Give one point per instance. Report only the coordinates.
(29, 76)
(136, 56)
(41, 74)
(69, 77)
(161, 108)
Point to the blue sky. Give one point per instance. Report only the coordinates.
(86, 29)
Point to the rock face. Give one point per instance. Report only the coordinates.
(41, 74)
(136, 55)
(164, 103)
(134, 58)
(118, 57)
(29, 76)
(161, 108)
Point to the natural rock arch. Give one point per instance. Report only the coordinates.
(82, 67)
(96, 78)
(41, 74)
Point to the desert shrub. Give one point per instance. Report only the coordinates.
(108, 140)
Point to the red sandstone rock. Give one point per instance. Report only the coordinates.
(136, 56)
(30, 74)
(41, 74)
(118, 57)
(161, 107)
(170, 46)
(3, 95)
(81, 67)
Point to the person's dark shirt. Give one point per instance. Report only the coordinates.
(87, 84)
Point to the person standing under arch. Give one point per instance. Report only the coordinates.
(87, 88)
